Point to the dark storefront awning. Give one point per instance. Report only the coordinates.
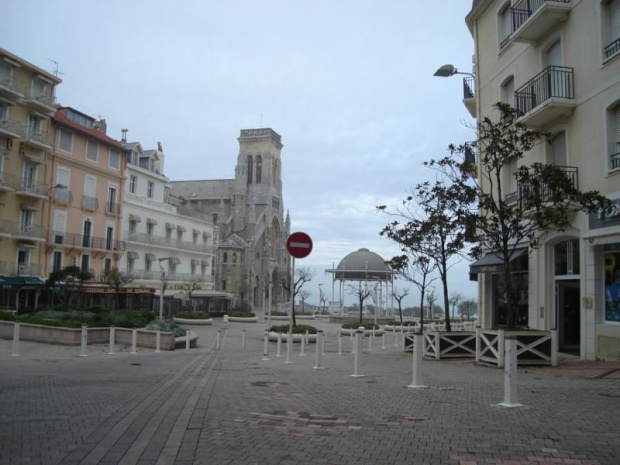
(493, 263)
(21, 281)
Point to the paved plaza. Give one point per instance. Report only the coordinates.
(227, 406)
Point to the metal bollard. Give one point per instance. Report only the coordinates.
(158, 341)
(243, 339)
(303, 343)
(289, 346)
(187, 339)
(358, 352)
(16, 328)
(134, 340)
(112, 340)
(510, 373)
(279, 345)
(318, 361)
(84, 341)
(217, 339)
(307, 337)
(266, 346)
(416, 382)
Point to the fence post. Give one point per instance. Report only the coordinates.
(84, 341)
(554, 347)
(16, 328)
(266, 346)
(319, 351)
(243, 339)
(353, 340)
(158, 341)
(112, 340)
(500, 348)
(358, 352)
(478, 344)
(279, 345)
(510, 373)
(187, 339)
(134, 340)
(416, 381)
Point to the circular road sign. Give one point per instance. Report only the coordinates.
(299, 245)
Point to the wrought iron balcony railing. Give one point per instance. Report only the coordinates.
(38, 138)
(615, 158)
(10, 126)
(523, 9)
(146, 238)
(469, 88)
(26, 269)
(85, 241)
(28, 187)
(28, 231)
(545, 193)
(112, 208)
(552, 82)
(7, 180)
(612, 48)
(61, 195)
(90, 203)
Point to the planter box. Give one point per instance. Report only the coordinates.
(286, 318)
(273, 337)
(277, 318)
(455, 344)
(533, 347)
(193, 321)
(237, 319)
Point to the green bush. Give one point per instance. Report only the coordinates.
(243, 314)
(276, 313)
(404, 323)
(193, 315)
(299, 329)
(355, 324)
(7, 316)
(168, 327)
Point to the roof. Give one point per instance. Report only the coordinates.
(363, 265)
(206, 189)
(62, 119)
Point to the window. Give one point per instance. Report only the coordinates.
(23, 262)
(107, 265)
(85, 267)
(87, 229)
(150, 189)
(60, 225)
(172, 268)
(259, 169)
(133, 183)
(225, 257)
(25, 222)
(37, 89)
(109, 238)
(566, 258)
(34, 126)
(150, 228)
(92, 150)
(148, 263)
(223, 284)
(167, 194)
(65, 140)
(613, 136)
(508, 91)
(203, 268)
(249, 169)
(234, 257)
(56, 260)
(179, 235)
(30, 176)
(510, 180)
(556, 153)
(504, 26)
(168, 233)
(130, 264)
(111, 206)
(193, 267)
(612, 286)
(132, 226)
(114, 159)
(195, 237)
(612, 33)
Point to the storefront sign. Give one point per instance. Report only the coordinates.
(124, 290)
(599, 220)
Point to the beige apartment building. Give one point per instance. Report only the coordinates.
(558, 63)
(27, 104)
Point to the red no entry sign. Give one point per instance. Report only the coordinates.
(299, 245)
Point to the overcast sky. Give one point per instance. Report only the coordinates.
(348, 84)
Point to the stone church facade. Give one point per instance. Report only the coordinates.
(250, 227)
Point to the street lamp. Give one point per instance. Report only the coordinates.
(321, 298)
(163, 287)
(449, 70)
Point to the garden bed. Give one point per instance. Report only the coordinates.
(193, 321)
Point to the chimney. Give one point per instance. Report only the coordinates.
(124, 135)
(101, 126)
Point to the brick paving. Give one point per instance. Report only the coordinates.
(227, 406)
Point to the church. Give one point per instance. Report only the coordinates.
(250, 228)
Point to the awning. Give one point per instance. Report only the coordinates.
(194, 262)
(174, 260)
(32, 208)
(204, 263)
(133, 255)
(21, 281)
(181, 228)
(196, 232)
(150, 257)
(151, 221)
(493, 263)
(169, 226)
(35, 160)
(134, 218)
(205, 234)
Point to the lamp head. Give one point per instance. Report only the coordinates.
(446, 71)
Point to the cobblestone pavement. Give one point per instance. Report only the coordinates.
(227, 406)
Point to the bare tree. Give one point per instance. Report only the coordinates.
(362, 293)
(189, 287)
(467, 308)
(399, 295)
(455, 298)
(303, 295)
(302, 276)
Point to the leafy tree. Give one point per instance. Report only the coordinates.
(399, 295)
(302, 276)
(116, 280)
(546, 199)
(72, 279)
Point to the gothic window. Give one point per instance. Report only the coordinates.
(225, 258)
(250, 163)
(234, 257)
(259, 169)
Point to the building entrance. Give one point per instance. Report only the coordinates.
(568, 297)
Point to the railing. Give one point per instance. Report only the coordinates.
(505, 41)
(545, 192)
(523, 9)
(41, 99)
(552, 82)
(145, 238)
(10, 126)
(32, 231)
(615, 158)
(7, 180)
(26, 269)
(612, 48)
(176, 276)
(63, 195)
(469, 88)
(38, 137)
(90, 203)
(27, 186)
(82, 241)
(511, 198)
(9, 84)
(6, 227)
(112, 208)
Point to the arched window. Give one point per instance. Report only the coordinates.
(225, 258)
(250, 163)
(234, 257)
(259, 169)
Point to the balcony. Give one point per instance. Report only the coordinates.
(38, 139)
(41, 102)
(30, 232)
(90, 203)
(533, 19)
(469, 95)
(80, 241)
(546, 192)
(25, 269)
(61, 195)
(8, 88)
(160, 241)
(28, 188)
(7, 182)
(546, 97)
(612, 49)
(112, 208)
(10, 128)
(6, 228)
(615, 158)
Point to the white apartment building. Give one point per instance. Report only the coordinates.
(558, 63)
(161, 242)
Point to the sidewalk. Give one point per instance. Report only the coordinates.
(227, 406)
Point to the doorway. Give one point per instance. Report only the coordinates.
(568, 310)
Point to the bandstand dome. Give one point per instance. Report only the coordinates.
(363, 265)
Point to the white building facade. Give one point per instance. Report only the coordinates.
(558, 63)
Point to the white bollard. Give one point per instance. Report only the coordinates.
(383, 341)
(307, 337)
(217, 339)
(358, 352)
(158, 341)
(112, 340)
(303, 343)
(279, 345)
(352, 339)
(416, 382)
(243, 339)
(370, 338)
(323, 344)
(289, 346)
(266, 346)
(395, 337)
(84, 343)
(510, 373)
(134, 340)
(187, 339)
(339, 343)
(319, 351)
(16, 327)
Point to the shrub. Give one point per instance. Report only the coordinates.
(355, 324)
(168, 327)
(193, 315)
(7, 316)
(276, 313)
(404, 323)
(243, 314)
(299, 329)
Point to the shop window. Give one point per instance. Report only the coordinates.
(612, 283)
